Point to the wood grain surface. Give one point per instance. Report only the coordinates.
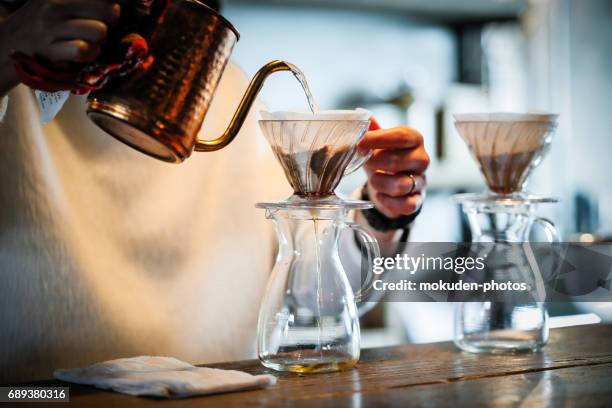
(574, 369)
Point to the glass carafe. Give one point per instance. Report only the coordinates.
(504, 325)
(309, 318)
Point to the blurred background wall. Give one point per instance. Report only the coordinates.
(416, 62)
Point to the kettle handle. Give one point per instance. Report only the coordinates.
(203, 145)
(372, 251)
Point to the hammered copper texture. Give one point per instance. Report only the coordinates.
(170, 99)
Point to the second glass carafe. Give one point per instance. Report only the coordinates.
(504, 325)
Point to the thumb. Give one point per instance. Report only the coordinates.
(373, 126)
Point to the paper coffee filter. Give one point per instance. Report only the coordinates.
(327, 115)
(497, 138)
(506, 117)
(505, 132)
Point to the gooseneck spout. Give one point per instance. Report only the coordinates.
(243, 109)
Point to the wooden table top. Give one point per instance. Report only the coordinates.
(574, 369)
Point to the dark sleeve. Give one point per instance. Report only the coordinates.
(9, 6)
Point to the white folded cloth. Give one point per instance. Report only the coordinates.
(162, 377)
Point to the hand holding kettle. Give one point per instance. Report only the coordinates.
(59, 31)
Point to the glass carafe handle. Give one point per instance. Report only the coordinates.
(372, 251)
(549, 229)
(552, 234)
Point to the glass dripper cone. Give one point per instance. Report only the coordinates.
(316, 150)
(507, 146)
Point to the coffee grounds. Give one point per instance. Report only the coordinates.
(315, 173)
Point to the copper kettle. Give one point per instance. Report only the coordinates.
(159, 110)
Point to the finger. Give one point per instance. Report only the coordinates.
(73, 51)
(107, 11)
(394, 207)
(401, 160)
(397, 185)
(92, 31)
(396, 138)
